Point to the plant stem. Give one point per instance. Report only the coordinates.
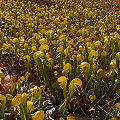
(61, 62)
(45, 75)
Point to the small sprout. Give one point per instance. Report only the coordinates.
(70, 117)
(92, 97)
(39, 115)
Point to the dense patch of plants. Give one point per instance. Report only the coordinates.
(59, 60)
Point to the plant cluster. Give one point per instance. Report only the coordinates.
(69, 51)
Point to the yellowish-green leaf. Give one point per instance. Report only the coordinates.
(63, 82)
(113, 119)
(39, 115)
(62, 37)
(80, 57)
(118, 27)
(118, 91)
(17, 100)
(43, 41)
(104, 53)
(44, 47)
(60, 49)
(67, 67)
(97, 43)
(43, 31)
(33, 48)
(74, 82)
(63, 105)
(2, 75)
(117, 105)
(25, 97)
(9, 96)
(62, 79)
(30, 106)
(70, 117)
(84, 64)
(2, 97)
(113, 64)
(84, 32)
(93, 53)
(22, 78)
(38, 54)
(61, 118)
(100, 74)
(37, 91)
(92, 97)
(99, 71)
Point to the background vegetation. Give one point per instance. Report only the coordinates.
(59, 59)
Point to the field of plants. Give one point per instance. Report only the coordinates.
(60, 60)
